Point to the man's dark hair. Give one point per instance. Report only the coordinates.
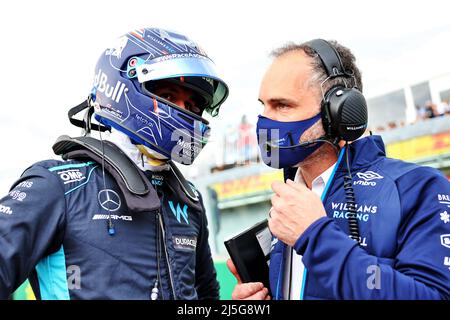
(319, 74)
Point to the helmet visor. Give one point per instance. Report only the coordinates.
(199, 66)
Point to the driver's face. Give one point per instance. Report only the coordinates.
(183, 97)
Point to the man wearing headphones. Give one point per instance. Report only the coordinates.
(116, 219)
(348, 223)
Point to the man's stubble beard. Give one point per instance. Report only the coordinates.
(323, 152)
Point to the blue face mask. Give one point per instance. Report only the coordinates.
(278, 141)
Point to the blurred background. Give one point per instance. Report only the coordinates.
(50, 48)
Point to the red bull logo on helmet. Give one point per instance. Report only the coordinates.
(114, 92)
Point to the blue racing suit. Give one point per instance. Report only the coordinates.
(403, 214)
(53, 230)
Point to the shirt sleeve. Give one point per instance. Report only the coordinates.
(418, 271)
(32, 219)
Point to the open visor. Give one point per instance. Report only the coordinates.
(185, 67)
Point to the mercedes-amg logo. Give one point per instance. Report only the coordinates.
(109, 200)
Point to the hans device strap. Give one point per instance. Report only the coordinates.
(115, 157)
(176, 182)
(139, 194)
(183, 183)
(131, 180)
(343, 109)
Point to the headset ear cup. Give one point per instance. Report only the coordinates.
(348, 111)
(326, 116)
(330, 110)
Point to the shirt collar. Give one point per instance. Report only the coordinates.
(324, 177)
(318, 182)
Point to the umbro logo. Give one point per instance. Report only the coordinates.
(367, 178)
(369, 175)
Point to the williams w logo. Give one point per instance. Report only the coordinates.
(178, 213)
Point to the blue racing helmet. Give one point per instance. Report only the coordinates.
(123, 99)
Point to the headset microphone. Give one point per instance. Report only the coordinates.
(334, 143)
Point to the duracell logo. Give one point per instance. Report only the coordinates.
(184, 242)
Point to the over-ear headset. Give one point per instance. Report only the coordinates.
(344, 117)
(343, 109)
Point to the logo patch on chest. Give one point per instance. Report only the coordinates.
(366, 178)
(72, 175)
(109, 200)
(184, 242)
(179, 212)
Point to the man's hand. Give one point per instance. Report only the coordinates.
(294, 208)
(247, 291)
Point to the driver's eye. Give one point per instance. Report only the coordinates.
(192, 107)
(167, 96)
